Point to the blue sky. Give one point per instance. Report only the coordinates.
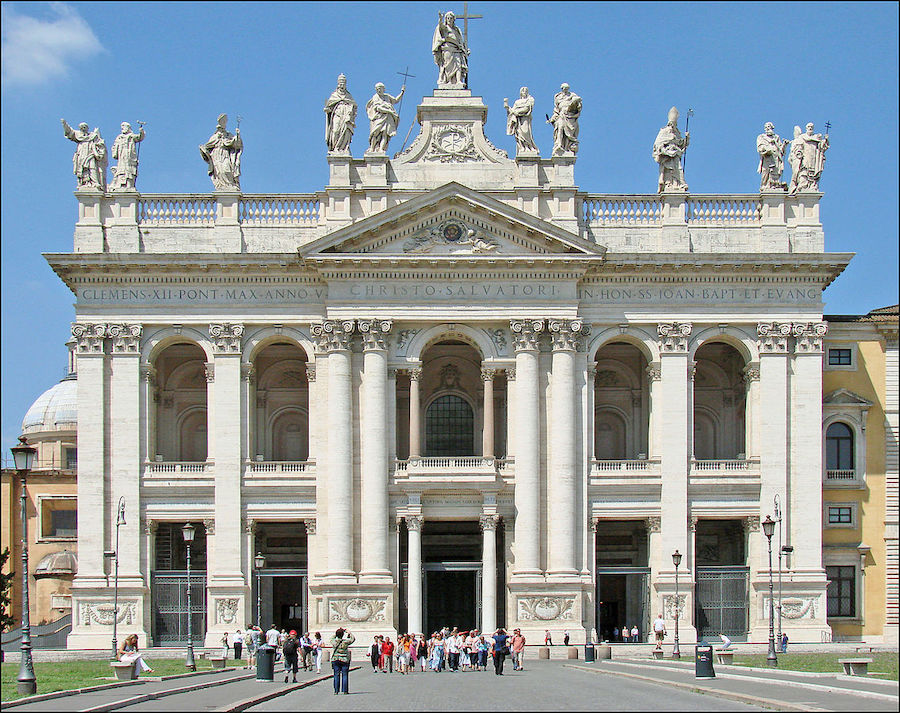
(177, 66)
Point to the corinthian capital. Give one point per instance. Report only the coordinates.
(227, 337)
(489, 522)
(374, 333)
(333, 336)
(566, 334)
(773, 337)
(673, 336)
(126, 338)
(526, 333)
(808, 337)
(89, 337)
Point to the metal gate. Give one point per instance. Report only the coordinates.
(168, 599)
(722, 601)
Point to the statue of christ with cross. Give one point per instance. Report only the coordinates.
(450, 48)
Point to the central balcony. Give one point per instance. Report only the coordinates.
(455, 468)
(280, 472)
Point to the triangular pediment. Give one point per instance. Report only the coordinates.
(452, 220)
(845, 397)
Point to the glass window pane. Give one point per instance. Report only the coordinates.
(449, 427)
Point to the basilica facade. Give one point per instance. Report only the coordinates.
(450, 388)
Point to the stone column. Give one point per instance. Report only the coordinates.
(751, 410)
(374, 449)
(488, 573)
(334, 338)
(528, 447)
(414, 618)
(415, 428)
(149, 398)
(654, 376)
(487, 434)
(248, 377)
(562, 485)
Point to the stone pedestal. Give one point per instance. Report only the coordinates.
(89, 228)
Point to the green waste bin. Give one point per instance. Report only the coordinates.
(703, 661)
(589, 652)
(265, 663)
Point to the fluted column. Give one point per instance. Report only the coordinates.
(562, 486)
(488, 573)
(334, 339)
(415, 428)
(528, 447)
(414, 574)
(487, 435)
(374, 449)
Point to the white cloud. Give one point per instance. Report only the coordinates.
(36, 50)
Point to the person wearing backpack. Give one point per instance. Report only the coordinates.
(289, 651)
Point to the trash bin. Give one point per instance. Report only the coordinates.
(589, 652)
(703, 661)
(265, 663)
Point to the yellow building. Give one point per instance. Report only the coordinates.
(860, 502)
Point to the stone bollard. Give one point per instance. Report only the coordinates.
(658, 654)
(544, 652)
(604, 652)
(572, 653)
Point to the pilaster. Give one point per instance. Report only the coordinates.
(488, 525)
(415, 622)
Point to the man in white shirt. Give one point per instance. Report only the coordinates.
(659, 628)
(272, 636)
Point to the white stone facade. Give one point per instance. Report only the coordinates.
(590, 336)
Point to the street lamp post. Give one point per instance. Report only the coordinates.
(771, 657)
(676, 560)
(188, 532)
(778, 518)
(23, 455)
(260, 562)
(120, 520)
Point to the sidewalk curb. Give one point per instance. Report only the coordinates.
(256, 700)
(693, 688)
(103, 686)
(161, 694)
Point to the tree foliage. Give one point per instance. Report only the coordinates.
(6, 579)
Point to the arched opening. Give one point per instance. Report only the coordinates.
(720, 402)
(279, 403)
(181, 404)
(621, 403)
(839, 447)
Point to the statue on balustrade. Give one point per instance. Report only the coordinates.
(807, 159)
(90, 159)
(771, 148)
(566, 110)
(450, 54)
(383, 119)
(518, 122)
(668, 149)
(222, 154)
(340, 117)
(125, 151)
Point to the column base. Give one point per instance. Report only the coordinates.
(226, 610)
(93, 611)
(363, 608)
(556, 605)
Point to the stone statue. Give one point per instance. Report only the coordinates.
(771, 148)
(383, 119)
(450, 54)
(566, 110)
(668, 149)
(124, 150)
(518, 122)
(340, 117)
(90, 159)
(222, 154)
(807, 159)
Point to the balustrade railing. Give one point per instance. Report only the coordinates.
(841, 474)
(453, 464)
(725, 465)
(176, 210)
(279, 466)
(643, 466)
(278, 210)
(180, 467)
(723, 209)
(621, 210)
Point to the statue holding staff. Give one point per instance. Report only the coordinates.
(340, 117)
(668, 149)
(90, 158)
(771, 148)
(383, 118)
(808, 159)
(566, 110)
(518, 122)
(451, 54)
(124, 150)
(222, 154)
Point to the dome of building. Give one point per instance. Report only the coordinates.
(55, 410)
(57, 564)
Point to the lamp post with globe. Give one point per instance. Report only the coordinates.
(771, 657)
(188, 532)
(26, 683)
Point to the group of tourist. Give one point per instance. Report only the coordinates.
(447, 650)
(297, 652)
(626, 635)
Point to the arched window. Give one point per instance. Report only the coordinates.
(449, 427)
(839, 447)
(193, 436)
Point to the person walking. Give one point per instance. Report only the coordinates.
(500, 649)
(387, 655)
(289, 649)
(518, 650)
(421, 652)
(483, 648)
(340, 659)
(635, 635)
(659, 631)
(566, 637)
(237, 641)
(375, 653)
(548, 640)
(306, 647)
(225, 647)
(318, 646)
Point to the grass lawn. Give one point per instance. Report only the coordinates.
(883, 662)
(66, 675)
